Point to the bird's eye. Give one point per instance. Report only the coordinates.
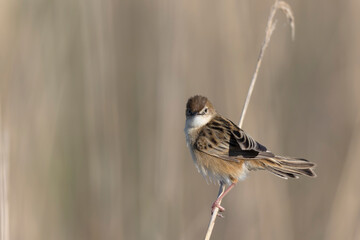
(188, 112)
(205, 110)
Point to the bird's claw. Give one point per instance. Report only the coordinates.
(216, 204)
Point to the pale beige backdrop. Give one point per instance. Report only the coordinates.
(92, 98)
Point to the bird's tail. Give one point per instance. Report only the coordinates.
(284, 167)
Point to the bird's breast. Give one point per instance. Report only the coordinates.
(213, 168)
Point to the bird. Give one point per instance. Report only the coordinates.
(225, 154)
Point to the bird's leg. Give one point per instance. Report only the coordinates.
(220, 197)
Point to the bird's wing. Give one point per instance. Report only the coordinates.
(223, 139)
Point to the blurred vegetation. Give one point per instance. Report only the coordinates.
(92, 97)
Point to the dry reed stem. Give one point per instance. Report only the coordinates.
(4, 168)
(346, 202)
(214, 215)
(269, 31)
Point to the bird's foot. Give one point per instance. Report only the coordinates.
(216, 204)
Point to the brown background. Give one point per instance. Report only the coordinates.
(92, 98)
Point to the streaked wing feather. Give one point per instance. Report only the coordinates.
(223, 139)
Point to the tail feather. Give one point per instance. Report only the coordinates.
(296, 163)
(284, 167)
(280, 173)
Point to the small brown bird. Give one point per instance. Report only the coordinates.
(225, 153)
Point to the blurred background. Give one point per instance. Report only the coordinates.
(92, 103)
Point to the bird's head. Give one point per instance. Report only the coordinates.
(199, 111)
